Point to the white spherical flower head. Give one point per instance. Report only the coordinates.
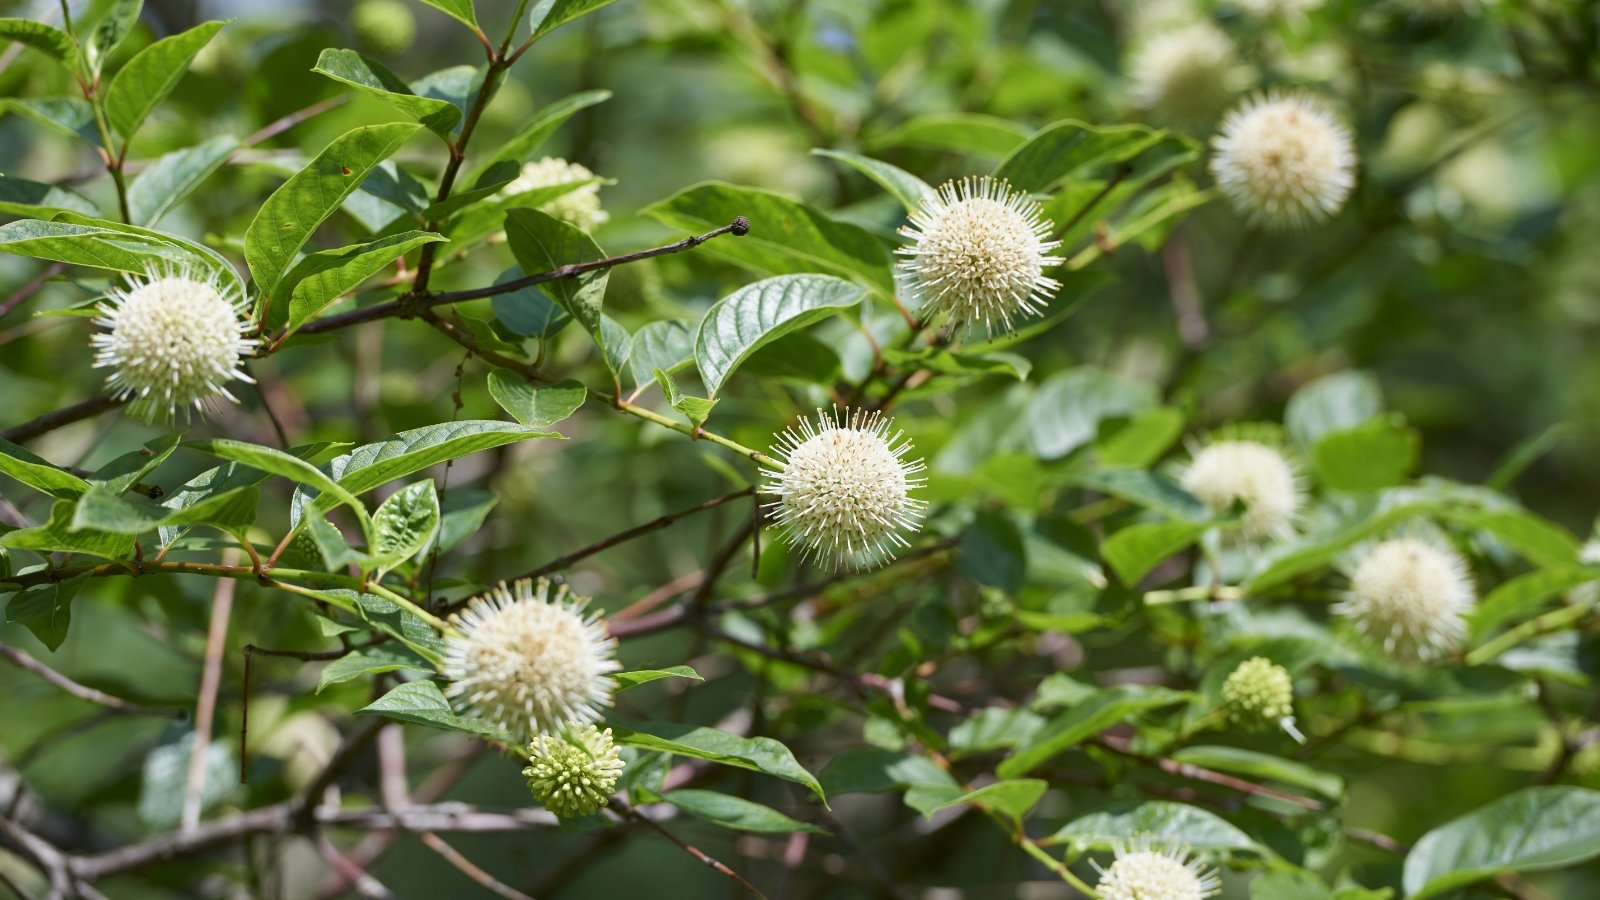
(574, 774)
(579, 207)
(528, 663)
(1411, 596)
(173, 341)
(1185, 75)
(978, 253)
(843, 492)
(1143, 873)
(1228, 472)
(1284, 159)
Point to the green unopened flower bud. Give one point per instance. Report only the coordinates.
(575, 774)
(385, 27)
(1259, 694)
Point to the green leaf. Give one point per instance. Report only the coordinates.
(422, 703)
(21, 197)
(993, 552)
(667, 345)
(1540, 541)
(86, 245)
(1133, 551)
(164, 784)
(70, 117)
(58, 536)
(51, 41)
(1290, 885)
(548, 15)
(1070, 149)
(758, 754)
(695, 409)
(972, 133)
(404, 524)
(464, 512)
(113, 28)
(538, 407)
(127, 470)
(284, 465)
(902, 185)
(1375, 454)
(102, 509)
(527, 312)
(871, 769)
(1264, 767)
(1523, 595)
(373, 465)
(168, 180)
(387, 616)
(740, 323)
(785, 237)
(1066, 412)
(736, 813)
(627, 680)
(1168, 825)
(375, 661)
(1012, 799)
(1150, 490)
(541, 243)
(372, 78)
(319, 279)
(944, 362)
(1146, 437)
(543, 123)
(1098, 712)
(150, 76)
(46, 609)
(460, 10)
(38, 473)
(1332, 403)
(1529, 831)
(288, 217)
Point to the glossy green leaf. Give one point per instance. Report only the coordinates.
(112, 29)
(1133, 551)
(695, 409)
(1150, 490)
(171, 178)
(536, 407)
(280, 463)
(102, 509)
(404, 524)
(1375, 454)
(375, 80)
(902, 185)
(541, 243)
(1011, 798)
(21, 197)
(422, 703)
(373, 465)
(1168, 825)
(667, 345)
(46, 609)
(539, 127)
(124, 472)
(85, 245)
(289, 216)
(758, 754)
(1332, 403)
(101, 235)
(1100, 711)
(374, 661)
(38, 473)
(740, 323)
(627, 680)
(152, 73)
(736, 813)
(47, 39)
(1263, 767)
(320, 279)
(972, 133)
(548, 15)
(785, 237)
(460, 10)
(1528, 831)
(70, 117)
(58, 536)
(1069, 149)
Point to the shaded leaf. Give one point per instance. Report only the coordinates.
(46, 609)
(735, 812)
(1528, 831)
(536, 407)
(168, 180)
(758, 754)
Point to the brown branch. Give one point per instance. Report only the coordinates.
(363, 882)
(62, 417)
(22, 660)
(627, 812)
(621, 537)
(31, 288)
(206, 705)
(468, 868)
(278, 126)
(419, 301)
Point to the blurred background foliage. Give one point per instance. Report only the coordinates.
(1463, 274)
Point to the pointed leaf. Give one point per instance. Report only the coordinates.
(902, 185)
(404, 524)
(375, 661)
(38, 473)
(541, 243)
(756, 754)
(372, 465)
(21, 197)
(539, 127)
(460, 10)
(1168, 825)
(736, 813)
(627, 680)
(114, 26)
(1528, 831)
(152, 73)
(58, 536)
(422, 703)
(169, 180)
(47, 39)
(538, 407)
(372, 78)
(742, 322)
(320, 279)
(46, 609)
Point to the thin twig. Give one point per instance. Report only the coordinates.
(627, 812)
(206, 706)
(656, 524)
(59, 418)
(31, 288)
(468, 868)
(22, 660)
